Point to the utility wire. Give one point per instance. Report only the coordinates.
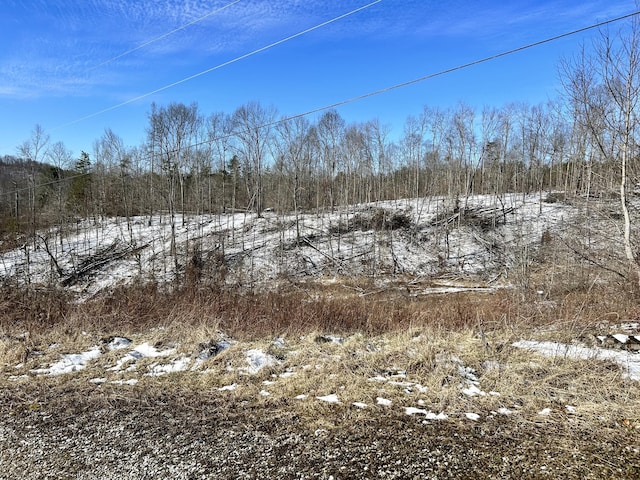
(224, 64)
(165, 35)
(459, 67)
(425, 77)
(394, 87)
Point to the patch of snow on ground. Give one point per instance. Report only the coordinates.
(178, 365)
(468, 373)
(332, 398)
(144, 350)
(630, 326)
(131, 381)
(630, 362)
(621, 337)
(227, 388)
(472, 391)
(118, 343)
(472, 416)
(429, 415)
(258, 360)
(72, 362)
(414, 411)
(383, 401)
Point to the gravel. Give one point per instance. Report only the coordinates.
(76, 435)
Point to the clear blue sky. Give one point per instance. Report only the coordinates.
(62, 60)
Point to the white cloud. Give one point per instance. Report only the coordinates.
(72, 47)
(64, 47)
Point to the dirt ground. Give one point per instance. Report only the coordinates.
(57, 431)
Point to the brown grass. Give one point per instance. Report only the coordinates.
(341, 308)
(427, 339)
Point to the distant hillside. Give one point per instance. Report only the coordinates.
(514, 240)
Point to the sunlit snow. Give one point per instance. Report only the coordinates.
(70, 363)
(315, 245)
(629, 362)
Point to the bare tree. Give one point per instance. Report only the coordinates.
(61, 159)
(292, 136)
(330, 132)
(219, 130)
(604, 89)
(34, 151)
(253, 130)
(171, 133)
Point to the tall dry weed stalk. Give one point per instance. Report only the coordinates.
(314, 309)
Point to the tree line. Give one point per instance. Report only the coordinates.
(247, 160)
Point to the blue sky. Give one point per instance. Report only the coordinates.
(64, 60)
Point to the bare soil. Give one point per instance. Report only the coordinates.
(63, 431)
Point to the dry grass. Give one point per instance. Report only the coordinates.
(427, 339)
(412, 352)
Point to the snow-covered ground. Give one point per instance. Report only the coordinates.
(424, 237)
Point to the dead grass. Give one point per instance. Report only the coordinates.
(422, 367)
(401, 339)
(345, 307)
(412, 351)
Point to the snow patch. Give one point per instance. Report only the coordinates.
(472, 391)
(118, 343)
(258, 360)
(332, 398)
(429, 415)
(227, 388)
(178, 365)
(144, 350)
(70, 363)
(130, 382)
(629, 362)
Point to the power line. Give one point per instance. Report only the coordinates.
(164, 35)
(398, 85)
(461, 67)
(217, 67)
(428, 77)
